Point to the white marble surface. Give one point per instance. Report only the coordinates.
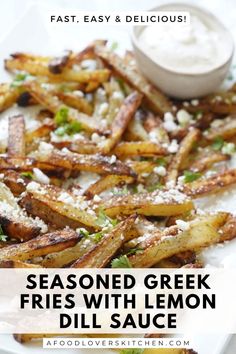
(47, 38)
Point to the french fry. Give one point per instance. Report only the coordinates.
(78, 162)
(75, 101)
(18, 264)
(59, 207)
(16, 137)
(213, 184)
(53, 104)
(226, 130)
(56, 65)
(69, 255)
(20, 227)
(40, 68)
(137, 148)
(40, 246)
(41, 132)
(14, 222)
(8, 96)
(185, 147)
(15, 182)
(228, 230)
(202, 232)
(121, 121)
(141, 167)
(107, 182)
(153, 97)
(159, 203)
(100, 255)
(205, 161)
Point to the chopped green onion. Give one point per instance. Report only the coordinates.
(97, 237)
(197, 114)
(190, 176)
(20, 78)
(154, 187)
(2, 236)
(161, 161)
(73, 127)
(134, 250)
(218, 143)
(61, 117)
(114, 46)
(84, 232)
(103, 220)
(121, 262)
(28, 175)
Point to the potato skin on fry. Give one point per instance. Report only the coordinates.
(154, 98)
(93, 163)
(17, 229)
(44, 211)
(17, 264)
(150, 204)
(213, 184)
(137, 148)
(100, 255)
(122, 119)
(40, 246)
(202, 232)
(16, 137)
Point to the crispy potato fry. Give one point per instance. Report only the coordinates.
(204, 161)
(24, 164)
(153, 97)
(73, 100)
(184, 149)
(14, 222)
(56, 65)
(8, 96)
(121, 121)
(81, 147)
(100, 255)
(160, 203)
(59, 207)
(38, 68)
(15, 182)
(16, 137)
(137, 148)
(226, 130)
(202, 232)
(18, 228)
(107, 182)
(213, 184)
(141, 167)
(77, 162)
(18, 264)
(40, 246)
(69, 255)
(53, 104)
(136, 131)
(41, 132)
(228, 230)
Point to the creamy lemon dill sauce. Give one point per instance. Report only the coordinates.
(194, 48)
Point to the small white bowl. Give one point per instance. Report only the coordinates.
(183, 85)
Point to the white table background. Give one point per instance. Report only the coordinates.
(66, 36)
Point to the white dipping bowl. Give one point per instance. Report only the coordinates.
(178, 84)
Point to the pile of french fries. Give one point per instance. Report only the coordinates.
(150, 157)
